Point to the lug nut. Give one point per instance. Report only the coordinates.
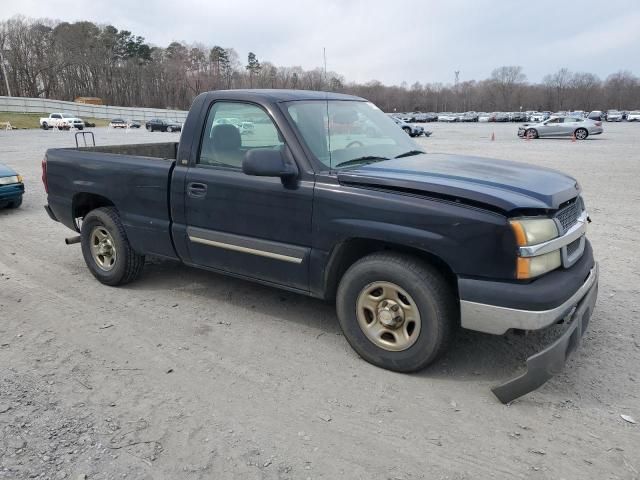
(395, 308)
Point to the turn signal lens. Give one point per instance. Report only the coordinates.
(531, 231)
(20, 179)
(531, 267)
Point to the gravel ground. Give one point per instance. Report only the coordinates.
(191, 375)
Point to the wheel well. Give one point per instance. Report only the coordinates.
(350, 251)
(83, 203)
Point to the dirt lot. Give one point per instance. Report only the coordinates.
(190, 375)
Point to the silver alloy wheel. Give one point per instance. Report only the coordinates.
(103, 248)
(581, 134)
(388, 316)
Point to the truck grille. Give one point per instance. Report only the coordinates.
(568, 215)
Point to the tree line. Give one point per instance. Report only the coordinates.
(61, 60)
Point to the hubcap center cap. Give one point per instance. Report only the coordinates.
(390, 314)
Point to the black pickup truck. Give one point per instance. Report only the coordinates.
(323, 194)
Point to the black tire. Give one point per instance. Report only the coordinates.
(128, 264)
(80, 128)
(531, 133)
(432, 295)
(581, 134)
(45, 126)
(407, 130)
(15, 203)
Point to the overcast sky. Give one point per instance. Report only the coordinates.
(391, 41)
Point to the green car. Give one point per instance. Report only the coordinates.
(11, 187)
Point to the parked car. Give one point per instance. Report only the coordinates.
(420, 117)
(614, 116)
(561, 127)
(62, 121)
(502, 117)
(134, 124)
(163, 125)
(633, 116)
(596, 115)
(118, 123)
(11, 187)
(409, 245)
(431, 117)
(469, 117)
(518, 116)
(487, 117)
(411, 130)
(448, 117)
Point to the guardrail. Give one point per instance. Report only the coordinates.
(46, 106)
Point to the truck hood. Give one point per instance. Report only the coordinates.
(497, 184)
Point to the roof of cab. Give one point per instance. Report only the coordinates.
(281, 95)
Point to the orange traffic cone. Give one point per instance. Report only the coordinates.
(493, 136)
(573, 138)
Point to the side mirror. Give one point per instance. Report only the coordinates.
(265, 162)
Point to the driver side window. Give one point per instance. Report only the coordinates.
(232, 129)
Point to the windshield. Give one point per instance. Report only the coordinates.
(66, 115)
(347, 133)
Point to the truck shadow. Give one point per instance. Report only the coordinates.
(473, 356)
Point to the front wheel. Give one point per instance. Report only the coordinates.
(581, 134)
(531, 133)
(396, 311)
(106, 248)
(45, 126)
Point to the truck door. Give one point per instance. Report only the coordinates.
(254, 226)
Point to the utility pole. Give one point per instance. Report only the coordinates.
(4, 73)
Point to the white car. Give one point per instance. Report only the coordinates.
(633, 116)
(614, 116)
(448, 117)
(62, 121)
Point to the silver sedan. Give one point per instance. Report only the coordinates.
(581, 128)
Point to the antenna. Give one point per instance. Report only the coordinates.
(324, 58)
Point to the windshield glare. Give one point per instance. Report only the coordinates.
(338, 131)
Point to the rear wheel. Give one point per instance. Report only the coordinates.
(396, 311)
(581, 134)
(106, 248)
(531, 133)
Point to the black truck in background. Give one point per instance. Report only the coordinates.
(322, 194)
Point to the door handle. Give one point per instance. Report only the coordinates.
(197, 190)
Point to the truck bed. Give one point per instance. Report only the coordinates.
(134, 178)
(163, 151)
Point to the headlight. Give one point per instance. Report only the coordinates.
(10, 180)
(531, 267)
(530, 231)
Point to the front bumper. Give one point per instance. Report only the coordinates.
(550, 361)
(11, 192)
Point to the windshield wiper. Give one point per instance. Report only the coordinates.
(409, 153)
(356, 161)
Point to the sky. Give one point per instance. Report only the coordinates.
(390, 41)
